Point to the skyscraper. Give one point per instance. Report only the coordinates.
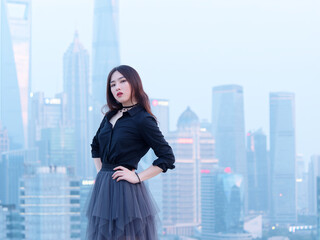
(160, 108)
(11, 223)
(228, 130)
(3, 221)
(19, 19)
(222, 205)
(13, 164)
(58, 147)
(10, 98)
(301, 185)
(258, 169)
(283, 155)
(318, 207)
(47, 113)
(76, 84)
(228, 127)
(50, 204)
(4, 140)
(105, 53)
(314, 172)
(194, 150)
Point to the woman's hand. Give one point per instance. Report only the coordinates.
(125, 174)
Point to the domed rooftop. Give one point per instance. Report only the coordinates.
(188, 119)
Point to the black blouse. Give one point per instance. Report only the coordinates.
(130, 139)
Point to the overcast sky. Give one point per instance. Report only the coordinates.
(183, 48)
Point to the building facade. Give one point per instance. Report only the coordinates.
(283, 157)
(194, 150)
(313, 173)
(50, 204)
(19, 19)
(4, 139)
(258, 170)
(105, 55)
(11, 223)
(222, 204)
(228, 127)
(13, 165)
(11, 116)
(76, 89)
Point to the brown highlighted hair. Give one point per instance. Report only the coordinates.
(135, 82)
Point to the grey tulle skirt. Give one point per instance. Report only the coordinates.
(120, 210)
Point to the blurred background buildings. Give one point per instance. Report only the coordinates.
(229, 183)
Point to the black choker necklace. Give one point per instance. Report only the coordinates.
(130, 106)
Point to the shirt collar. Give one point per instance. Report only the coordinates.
(133, 111)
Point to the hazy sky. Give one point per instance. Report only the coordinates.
(182, 48)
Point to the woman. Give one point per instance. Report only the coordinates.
(121, 206)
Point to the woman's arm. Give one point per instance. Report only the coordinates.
(130, 176)
(97, 163)
(95, 147)
(150, 172)
(154, 138)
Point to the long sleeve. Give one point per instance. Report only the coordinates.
(95, 148)
(154, 138)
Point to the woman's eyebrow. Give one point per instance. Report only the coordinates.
(118, 79)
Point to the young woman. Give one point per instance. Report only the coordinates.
(120, 206)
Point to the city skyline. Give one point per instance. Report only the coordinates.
(262, 60)
(195, 60)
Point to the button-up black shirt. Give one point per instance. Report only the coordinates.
(130, 139)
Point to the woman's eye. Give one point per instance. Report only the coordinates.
(123, 81)
(112, 85)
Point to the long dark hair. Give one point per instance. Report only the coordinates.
(135, 82)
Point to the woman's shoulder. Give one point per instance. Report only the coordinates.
(143, 114)
(143, 117)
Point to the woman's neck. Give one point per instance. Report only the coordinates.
(129, 106)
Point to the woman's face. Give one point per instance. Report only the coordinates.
(121, 89)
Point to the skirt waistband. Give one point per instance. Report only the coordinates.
(110, 166)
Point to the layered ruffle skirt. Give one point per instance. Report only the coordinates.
(120, 210)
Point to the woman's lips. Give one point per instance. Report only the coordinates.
(119, 94)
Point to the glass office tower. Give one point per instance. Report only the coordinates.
(50, 204)
(228, 127)
(19, 20)
(11, 116)
(105, 54)
(283, 156)
(76, 84)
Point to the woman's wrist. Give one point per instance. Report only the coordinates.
(139, 180)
